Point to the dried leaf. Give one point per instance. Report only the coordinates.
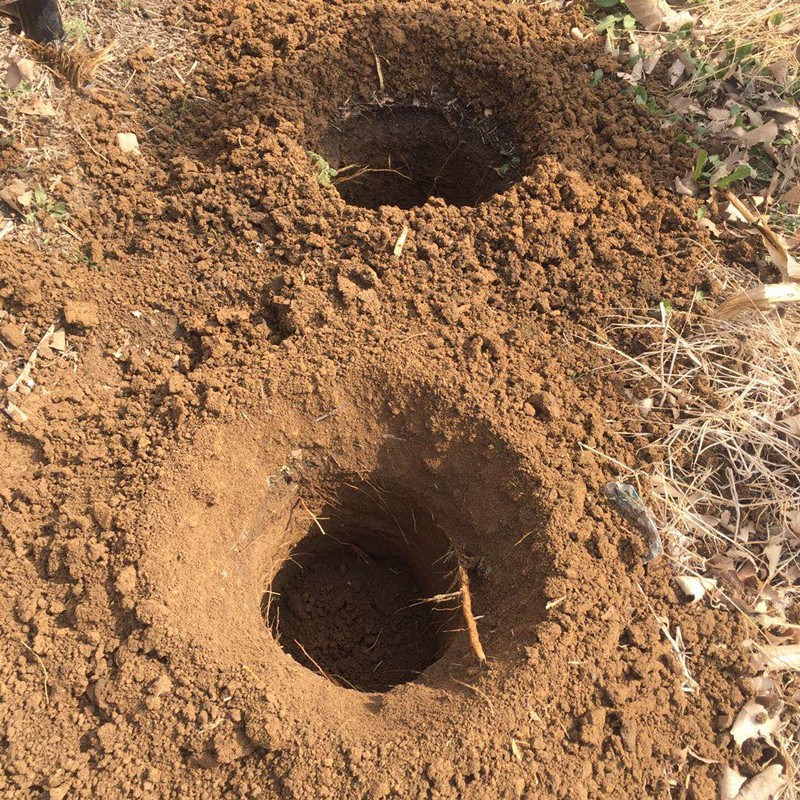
(781, 109)
(515, 750)
(783, 260)
(772, 552)
(17, 195)
(686, 187)
(754, 722)
(763, 786)
(780, 71)
(729, 783)
(792, 424)
(763, 134)
(695, 587)
(58, 341)
(762, 298)
(13, 76)
(37, 107)
(777, 658)
(676, 71)
(711, 226)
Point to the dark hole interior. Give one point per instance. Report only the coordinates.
(353, 604)
(403, 156)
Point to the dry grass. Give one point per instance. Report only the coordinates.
(772, 27)
(725, 485)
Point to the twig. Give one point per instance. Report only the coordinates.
(26, 370)
(476, 690)
(44, 671)
(381, 85)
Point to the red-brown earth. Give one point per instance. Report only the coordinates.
(261, 364)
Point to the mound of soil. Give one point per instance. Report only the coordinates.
(409, 353)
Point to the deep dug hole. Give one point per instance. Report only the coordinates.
(435, 408)
(402, 155)
(353, 598)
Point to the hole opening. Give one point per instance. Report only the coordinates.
(404, 155)
(355, 604)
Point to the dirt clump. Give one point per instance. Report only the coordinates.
(257, 338)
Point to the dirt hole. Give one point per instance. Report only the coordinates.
(353, 604)
(403, 155)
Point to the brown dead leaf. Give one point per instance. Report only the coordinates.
(36, 107)
(781, 109)
(754, 722)
(17, 195)
(792, 197)
(676, 71)
(775, 244)
(780, 71)
(719, 114)
(710, 226)
(13, 76)
(763, 786)
(763, 134)
(58, 341)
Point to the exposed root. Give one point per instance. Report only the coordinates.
(353, 172)
(75, 64)
(469, 617)
(316, 666)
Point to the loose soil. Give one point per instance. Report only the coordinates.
(259, 337)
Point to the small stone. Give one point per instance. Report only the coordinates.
(58, 792)
(128, 143)
(12, 334)
(83, 314)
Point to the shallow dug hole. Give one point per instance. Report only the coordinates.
(402, 155)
